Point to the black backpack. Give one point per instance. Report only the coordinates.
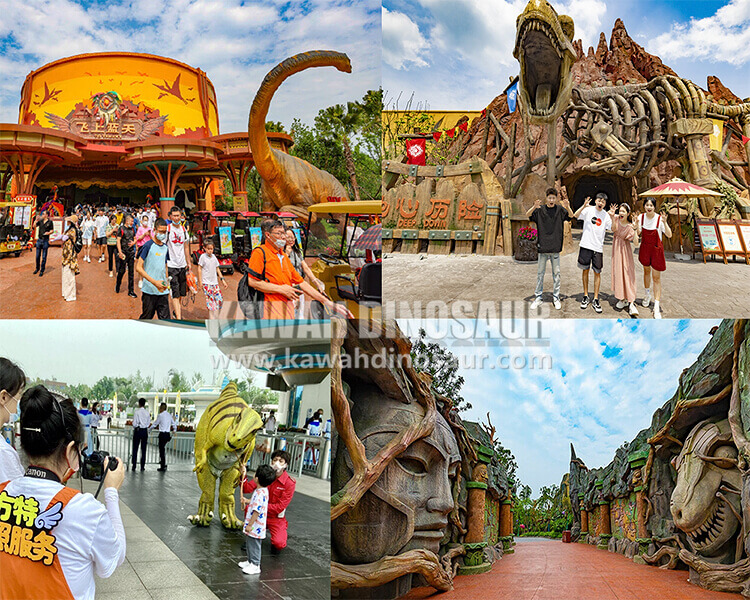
(78, 243)
(250, 299)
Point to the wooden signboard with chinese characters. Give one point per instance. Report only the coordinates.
(469, 215)
(708, 235)
(744, 229)
(731, 241)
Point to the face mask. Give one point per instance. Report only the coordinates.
(278, 467)
(70, 471)
(12, 416)
(280, 243)
(162, 237)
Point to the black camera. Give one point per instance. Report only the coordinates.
(92, 466)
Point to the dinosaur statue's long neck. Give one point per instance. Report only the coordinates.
(265, 162)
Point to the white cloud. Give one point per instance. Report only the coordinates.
(722, 37)
(403, 43)
(235, 42)
(594, 402)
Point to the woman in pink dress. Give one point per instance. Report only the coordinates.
(623, 265)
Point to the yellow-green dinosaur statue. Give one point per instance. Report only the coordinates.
(224, 440)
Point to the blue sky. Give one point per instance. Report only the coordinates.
(115, 348)
(600, 388)
(457, 54)
(235, 42)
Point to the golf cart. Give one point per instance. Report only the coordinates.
(247, 235)
(350, 271)
(15, 228)
(218, 226)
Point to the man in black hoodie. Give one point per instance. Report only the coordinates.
(550, 223)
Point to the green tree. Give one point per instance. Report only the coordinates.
(340, 123)
(255, 396)
(103, 389)
(442, 365)
(508, 461)
(177, 381)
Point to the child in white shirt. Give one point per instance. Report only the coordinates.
(256, 514)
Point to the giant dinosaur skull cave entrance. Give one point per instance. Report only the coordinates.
(581, 185)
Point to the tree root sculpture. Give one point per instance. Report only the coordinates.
(367, 472)
(717, 577)
(673, 553)
(388, 568)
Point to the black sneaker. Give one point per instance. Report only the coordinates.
(585, 302)
(596, 305)
(132, 295)
(41, 273)
(37, 271)
(117, 290)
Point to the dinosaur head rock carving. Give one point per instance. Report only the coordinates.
(706, 499)
(545, 53)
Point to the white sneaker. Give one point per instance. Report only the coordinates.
(657, 311)
(111, 274)
(140, 284)
(536, 303)
(621, 304)
(251, 570)
(243, 564)
(556, 303)
(633, 309)
(647, 299)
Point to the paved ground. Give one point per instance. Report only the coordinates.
(691, 289)
(148, 560)
(27, 296)
(209, 555)
(551, 570)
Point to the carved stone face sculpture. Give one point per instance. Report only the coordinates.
(704, 467)
(408, 507)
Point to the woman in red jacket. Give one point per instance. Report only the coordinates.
(280, 495)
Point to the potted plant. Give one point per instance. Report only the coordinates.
(526, 250)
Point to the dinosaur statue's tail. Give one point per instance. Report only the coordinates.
(264, 160)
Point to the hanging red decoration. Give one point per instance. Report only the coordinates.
(415, 151)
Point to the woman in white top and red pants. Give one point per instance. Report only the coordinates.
(651, 226)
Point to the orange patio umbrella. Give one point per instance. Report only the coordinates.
(676, 188)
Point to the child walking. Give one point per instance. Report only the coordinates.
(256, 513)
(623, 265)
(209, 274)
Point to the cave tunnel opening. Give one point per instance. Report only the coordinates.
(581, 185)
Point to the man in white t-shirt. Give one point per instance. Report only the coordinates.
(178, 250)
(100, 231)
(596, 222)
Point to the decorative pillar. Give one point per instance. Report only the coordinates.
(637, 462)
(237, 171)
(166, 173)
(584, 517)
(506, 526)
(474, 542)
(693, 131)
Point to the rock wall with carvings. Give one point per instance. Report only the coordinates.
(674, 496)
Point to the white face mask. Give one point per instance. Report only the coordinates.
(280, 243)
(278, 466)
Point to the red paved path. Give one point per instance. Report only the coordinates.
(27, 296)
(551, 570)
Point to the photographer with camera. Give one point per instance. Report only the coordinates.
(66, 535)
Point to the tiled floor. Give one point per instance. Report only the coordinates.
(551, 570)
(210, 555)
(27, 296)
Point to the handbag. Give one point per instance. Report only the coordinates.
(250, 299)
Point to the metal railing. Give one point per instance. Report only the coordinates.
(309, 455)
(119, 442)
